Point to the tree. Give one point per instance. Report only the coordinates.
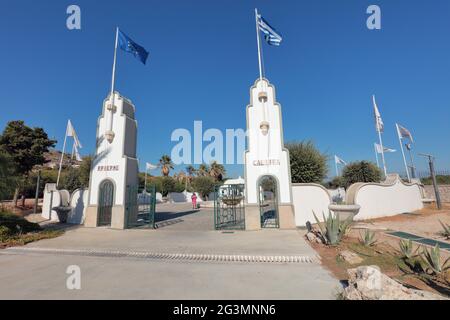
(71, 179)
(203, 170)
(217, 171)
(362, 171)
(168, 185)
(308, 164)
(336, 182)
(8, 178)
(166, 165)
(85, 171)
(26, 146)
(204, 185)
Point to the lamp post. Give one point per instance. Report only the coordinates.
(413, 168)
(433, 178)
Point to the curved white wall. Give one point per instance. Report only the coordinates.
(78, 202)
(383, 200)
(309, 197)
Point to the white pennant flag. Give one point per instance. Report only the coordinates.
(70, 132)
(404, 133)
(150, 166)
(378, 148)
(339, 160)
(77, 154)
(379, 125)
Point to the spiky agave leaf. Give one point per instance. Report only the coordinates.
(432, 259)
(322, 230)
(446, 231)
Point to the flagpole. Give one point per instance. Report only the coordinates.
(336, 166)
(403, 152)
(376, 155)
(145, 180)
(382, 152)
(62, 156)
(113, 80)
(258, 40)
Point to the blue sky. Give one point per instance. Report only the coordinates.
(203, 61)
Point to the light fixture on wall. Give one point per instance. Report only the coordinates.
(262, 96)
(264, 126)
(109, 134)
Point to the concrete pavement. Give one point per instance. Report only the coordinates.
(31, 274)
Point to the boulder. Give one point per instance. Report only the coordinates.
(369, 283)
(350, 257)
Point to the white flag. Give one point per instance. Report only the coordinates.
(339, 160)
(378, 148)
(404, 133)
(77, 154)
(70, 132)
(150, 166)
(379, 125)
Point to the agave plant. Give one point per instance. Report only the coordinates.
(406, 249)
(368, 239)
(334, 229)
(446, 229)
(432, 260)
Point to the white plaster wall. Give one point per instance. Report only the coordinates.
(52, 198)
(382, 200)
(309, 197)
(119, 152)
(265, 147)
(78, 202)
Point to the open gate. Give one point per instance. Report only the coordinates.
(140, 207)
(229, 211)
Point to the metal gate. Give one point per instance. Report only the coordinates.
(268, 202)
(229, 212)
(105, 203)
(140, 207)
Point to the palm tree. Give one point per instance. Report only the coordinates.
(190, 170)
(166, 165)
(217, 171)
(203, 170)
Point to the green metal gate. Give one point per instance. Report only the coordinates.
(268, 202)
(229, 211)
(105, 203)
(140, 207)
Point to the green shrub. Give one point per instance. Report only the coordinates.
(368, 239)
(334, 229)
(362, 171)
(440, 179)
(167, 185)
(336, 183)
(308, 164)
(203, 185)
(15, 224)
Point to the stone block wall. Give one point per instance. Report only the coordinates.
(444, 191)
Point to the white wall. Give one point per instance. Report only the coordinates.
(383, 200)
(309, 197)
(52, 198)
(78, 202)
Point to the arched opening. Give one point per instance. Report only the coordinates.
(105, 203)
(268, 202)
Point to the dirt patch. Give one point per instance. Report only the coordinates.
(386, 253)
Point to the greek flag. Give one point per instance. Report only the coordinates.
(271, 36)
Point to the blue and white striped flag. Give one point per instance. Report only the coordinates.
(271, 36)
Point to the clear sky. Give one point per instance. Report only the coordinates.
(203, 61)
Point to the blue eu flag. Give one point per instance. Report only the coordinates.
(128, 45)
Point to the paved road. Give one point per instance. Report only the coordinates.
(31, 274)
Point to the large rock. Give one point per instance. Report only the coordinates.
(368, 283)
(350, 257)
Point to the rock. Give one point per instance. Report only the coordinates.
(368, 283)
(350, 257)
(311, 237)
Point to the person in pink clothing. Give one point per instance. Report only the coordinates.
(194, 201)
